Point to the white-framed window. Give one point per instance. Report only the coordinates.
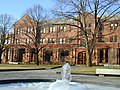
(51, 40)
(29, 41)
(51, 29)
(6, 41)
(9, 41)
(71, 28)
(54, 29)
(42, 41)
(17, 41)
(54, 39)
(21, 30)
(63, 28)
(18, 31)
(43, 30)
(62, 40)
(113, 26)
(29, 30)
(113, 38)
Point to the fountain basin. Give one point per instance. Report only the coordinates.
(45, 86)
(66, 85)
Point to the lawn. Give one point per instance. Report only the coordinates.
(27, 66)
(90, 70)
(74, 69)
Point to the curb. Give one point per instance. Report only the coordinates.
(4, 70)
(25, 81)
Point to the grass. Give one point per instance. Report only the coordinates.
(85, 70)
(78, 69)
(26, 66)
(90, 70)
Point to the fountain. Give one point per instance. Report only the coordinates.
(65, 83)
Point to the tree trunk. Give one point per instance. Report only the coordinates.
(88, 57)
(36, 56)
(0, 56)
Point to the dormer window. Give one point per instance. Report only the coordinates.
(113, 26)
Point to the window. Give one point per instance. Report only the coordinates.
(88, 31)
(113, 39)
(101, 39)
(29, 30)
(6, 41)
(42, 30)
(18, 31)
(51, 40)
(29, 41)
(52, 29)
(42, 41)
(63, 28)
(62, 40)
(17, 41)
(9, 41)
(82, 33)
(113, 26)
(71, 28)
(82, 43)
(101, 27)
(87, 25)
(21, 30)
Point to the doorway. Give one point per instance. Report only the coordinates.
(103, 56)
(82, 58)
(20, 53)
(47, 55)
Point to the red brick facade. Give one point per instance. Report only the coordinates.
(60, 43)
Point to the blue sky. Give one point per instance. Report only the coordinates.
(16, 8)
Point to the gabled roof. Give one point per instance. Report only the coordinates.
(24, 18)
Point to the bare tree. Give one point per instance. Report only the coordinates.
(86, 12)
(5, 28)
(34, 21)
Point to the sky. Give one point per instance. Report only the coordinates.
(17, 8)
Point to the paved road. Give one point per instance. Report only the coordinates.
(51, 74)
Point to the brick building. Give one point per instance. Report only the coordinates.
(58, 43)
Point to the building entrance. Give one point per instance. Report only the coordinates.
(47, 55)
(103, 56)
(82, 58)
(20, 54)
